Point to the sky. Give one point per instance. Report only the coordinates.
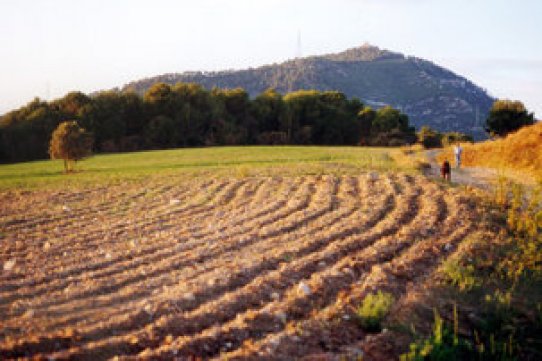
(48, 48)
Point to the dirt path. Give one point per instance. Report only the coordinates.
(482, 178)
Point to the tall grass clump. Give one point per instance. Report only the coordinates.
(444, 344)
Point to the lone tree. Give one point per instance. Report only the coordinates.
(71, 143)
(507, 116)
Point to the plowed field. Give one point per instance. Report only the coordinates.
(218, 268)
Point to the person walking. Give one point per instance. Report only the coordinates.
(457, 152)
(445, 171)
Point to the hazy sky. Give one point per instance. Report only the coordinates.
(50, 47)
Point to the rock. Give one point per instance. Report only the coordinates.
(275, 296)
(447, 247)
(275, 341)
(148, 309)
(169, 339)
(108, 255)
(8, 265)
(373, 176)
(189, 297)
(354, 352)
(304, 289)
(46, 245)
(174, 202)
(282, 316)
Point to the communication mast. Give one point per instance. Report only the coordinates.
(298, 53)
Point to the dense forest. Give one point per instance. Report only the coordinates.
(188, 115)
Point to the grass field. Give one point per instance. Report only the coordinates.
(190, 163)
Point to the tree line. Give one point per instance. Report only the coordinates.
(188, 115)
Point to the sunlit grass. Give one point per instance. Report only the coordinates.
(517, 156)
(195, 162)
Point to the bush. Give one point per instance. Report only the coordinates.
(373, 310)
(429, 137)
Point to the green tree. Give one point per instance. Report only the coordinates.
(268, 109)
(388, 118)
(104, 118)
(366, 116)
(507, 116)
(429, 137)
(72, 103)
(71, 143)
(390, 128)
(161, 133)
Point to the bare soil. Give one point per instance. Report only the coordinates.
(252, 268)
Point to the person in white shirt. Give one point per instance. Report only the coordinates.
(457, 152)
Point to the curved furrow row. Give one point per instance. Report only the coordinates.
(243, 275)
(73, 244)
(226, 306)
(295, 304)
(143, 249)
(64, 258)
(78, 233)
(155, 270)
(15, 204)
(232, 277)
(174, 277)
(52, 210)
(68, 276)
(393, 275)
(309, 193)
(178, 262)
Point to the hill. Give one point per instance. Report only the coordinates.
(427, 93)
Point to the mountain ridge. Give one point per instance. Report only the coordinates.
(428, 93)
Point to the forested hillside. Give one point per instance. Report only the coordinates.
(429, 94)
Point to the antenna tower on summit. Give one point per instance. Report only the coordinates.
(298, 53)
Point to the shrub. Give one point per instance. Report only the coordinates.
(429, 137)
(373, 310)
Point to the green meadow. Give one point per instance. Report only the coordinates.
(196, 162)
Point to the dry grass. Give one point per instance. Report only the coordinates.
(410, 157)
(518, 152)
